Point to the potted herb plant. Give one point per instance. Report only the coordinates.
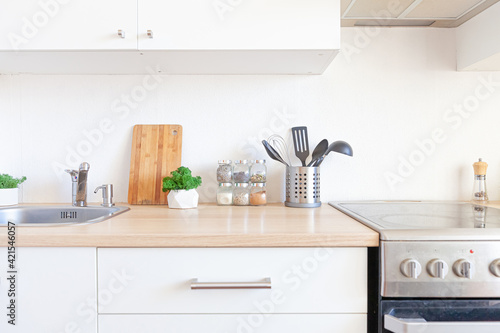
(182, 185)
(9, 191)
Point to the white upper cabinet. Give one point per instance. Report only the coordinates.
(238, 25)
(68, 25)
(173, 37)
(478, 42)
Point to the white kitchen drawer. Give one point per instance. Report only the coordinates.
(241, 323)
(304, 280)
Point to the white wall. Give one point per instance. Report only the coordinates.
(387, 90)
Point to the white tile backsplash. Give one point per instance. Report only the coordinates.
(381, 94)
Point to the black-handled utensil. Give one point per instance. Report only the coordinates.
(279, 144)
(318, 161)
(301, 143)
(273, 153)
(341, 147)
(319, 151)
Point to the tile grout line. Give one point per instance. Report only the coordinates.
(97, 289)
(15, 104)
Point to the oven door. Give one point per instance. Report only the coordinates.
(441, 316)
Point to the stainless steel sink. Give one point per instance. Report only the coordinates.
(57, 215)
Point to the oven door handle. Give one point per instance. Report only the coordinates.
(419, 325)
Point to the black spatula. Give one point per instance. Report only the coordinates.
(301, 143)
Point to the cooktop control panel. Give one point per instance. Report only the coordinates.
(440, 269)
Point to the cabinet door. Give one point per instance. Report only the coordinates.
(68, 25)
(244, 323)
(239, 25)
(55, 290)
(302, 280)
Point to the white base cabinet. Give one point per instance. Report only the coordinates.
(311, 289)
(54, 290)
(243, 323)
(134, 290)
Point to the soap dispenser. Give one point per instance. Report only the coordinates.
(479, 192)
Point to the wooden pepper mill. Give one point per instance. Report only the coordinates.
(479, 193)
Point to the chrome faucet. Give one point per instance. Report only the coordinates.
(74, 184)
(79, 184)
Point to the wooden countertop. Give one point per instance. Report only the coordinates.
(209, 225)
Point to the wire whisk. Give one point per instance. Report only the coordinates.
(279, 144)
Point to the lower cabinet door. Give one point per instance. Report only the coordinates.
(235, 323)
(48, 290)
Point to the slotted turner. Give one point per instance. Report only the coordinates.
(301, 143)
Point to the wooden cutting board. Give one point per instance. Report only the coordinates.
(156, 151)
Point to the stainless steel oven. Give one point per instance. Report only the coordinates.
(440, 316)
(437, 269)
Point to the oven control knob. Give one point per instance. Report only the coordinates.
(463, 268)
(437, 268)
(495, 267)
(411, 268)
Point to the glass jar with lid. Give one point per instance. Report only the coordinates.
(258, 171)
(241, 194)
(258, 194)
(225, 194)
(224, 171)
(241, 171)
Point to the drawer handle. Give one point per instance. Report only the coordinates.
(264, 284)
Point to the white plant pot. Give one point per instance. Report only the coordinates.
(183, 199)
(9, 196)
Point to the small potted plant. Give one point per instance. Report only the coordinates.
(9, 191)
(182, 187)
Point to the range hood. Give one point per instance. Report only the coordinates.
(411, 13)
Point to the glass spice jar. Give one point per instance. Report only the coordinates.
(258, 171)
(225, 194)
(479, 192)
(258, 194)
(241, 194)
(224, 171)
(241, 171)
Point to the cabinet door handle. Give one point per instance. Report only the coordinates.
(150, 33)
(121, 33)
(264, 284)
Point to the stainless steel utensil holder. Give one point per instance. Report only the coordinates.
(302, 187)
